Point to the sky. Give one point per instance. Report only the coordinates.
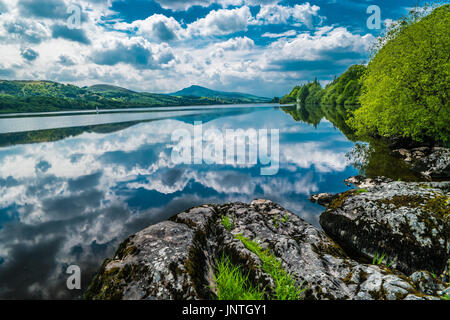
(260, 47)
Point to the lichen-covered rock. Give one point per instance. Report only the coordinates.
(407, 224)
(415, 297)
(176, 259)
(433, 163)
(149, 264)
(426, 283)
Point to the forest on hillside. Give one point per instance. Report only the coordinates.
(44, 96)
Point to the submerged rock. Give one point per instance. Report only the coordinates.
(404, 224)
(176, 259)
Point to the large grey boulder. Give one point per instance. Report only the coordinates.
(176, 259)
(407, 222)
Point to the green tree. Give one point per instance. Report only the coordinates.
(290, 97)
(406, 86)
(346, 89)
(315, 93)
(303, 94)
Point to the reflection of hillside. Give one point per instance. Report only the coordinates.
(9, 139)
(50, 135)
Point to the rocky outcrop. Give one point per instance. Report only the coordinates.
(362, 182)
(176, 259)
(427, 284)
(431, 162)
(324, 199)
(408, 224)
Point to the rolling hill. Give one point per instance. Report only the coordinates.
(198, 91)
(43, 96)
(101, 88)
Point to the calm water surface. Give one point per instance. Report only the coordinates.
(71, 195)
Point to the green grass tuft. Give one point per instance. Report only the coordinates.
(227, 223)
(379, 260)
(232, 284)
(275, 222)
(285, 288)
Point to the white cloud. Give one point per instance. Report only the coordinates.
(14, 29)
(135, 51)
(157, 27)
(180, 5)
(240, 43)
(289, 33)
(222, 22)
(325, 41)
(278, 14)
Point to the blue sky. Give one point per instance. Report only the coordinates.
(260, 47)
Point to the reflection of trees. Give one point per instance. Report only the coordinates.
(372, 158)
(376, 159)
(338, 116)
(311, 114)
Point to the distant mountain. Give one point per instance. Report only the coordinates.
(238, 97)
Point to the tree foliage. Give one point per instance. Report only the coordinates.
(290, 97)
(406, 85)
(346, 89)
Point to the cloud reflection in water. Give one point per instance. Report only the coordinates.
(72, 201)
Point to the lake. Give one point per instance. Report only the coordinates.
(73, 186)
